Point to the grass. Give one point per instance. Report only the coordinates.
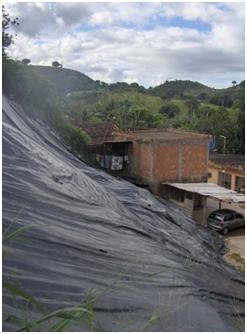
(238, 260)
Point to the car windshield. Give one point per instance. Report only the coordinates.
(215, 216)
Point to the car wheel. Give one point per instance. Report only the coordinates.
(225, 230)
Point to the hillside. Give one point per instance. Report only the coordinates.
(186, 89)
(65, 80)
(182, 89)
(180, 104)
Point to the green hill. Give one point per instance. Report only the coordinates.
(186, 89)
(66, 80)
(182, 89)
(181, 104)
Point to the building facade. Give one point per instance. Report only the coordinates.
(153, 156)
(227, 170)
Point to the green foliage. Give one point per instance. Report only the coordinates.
(9, 235)
(67, 94)
(217, 121)
(129, 110)
(65, 80)
(73, 137)
(7, 39)
(170, 109)
(38, 96)
(18, 292)
(26, 61)
(56, 64)
(25, 86)
(224, 100)
(179, 89)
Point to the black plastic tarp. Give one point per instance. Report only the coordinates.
(158, 270)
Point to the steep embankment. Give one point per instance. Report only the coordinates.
(147, 266)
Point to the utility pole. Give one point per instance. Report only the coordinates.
(224, 145)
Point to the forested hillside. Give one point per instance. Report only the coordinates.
(65, 80)
(180, 104)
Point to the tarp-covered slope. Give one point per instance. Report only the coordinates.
(92, 231)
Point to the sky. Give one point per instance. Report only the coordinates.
(144, 42)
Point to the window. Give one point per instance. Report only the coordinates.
(229, 217)
(239, 216)
(215, 217)
(198, 201)
(209, 175)
(225, 180)
(176, 194)
(239, 184)
(189, 195)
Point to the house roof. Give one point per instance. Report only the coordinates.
(107, 132)
(99, 132)
(166, 134)
(210, 190)
(228, 159)
(233, 162)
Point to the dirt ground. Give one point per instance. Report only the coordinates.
(235, 241)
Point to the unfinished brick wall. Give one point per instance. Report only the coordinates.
(157, 161)
(166, 162)
(142, 160)
(195, 161)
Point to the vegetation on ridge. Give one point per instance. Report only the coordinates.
(75, 98)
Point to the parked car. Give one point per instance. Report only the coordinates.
(224, 220)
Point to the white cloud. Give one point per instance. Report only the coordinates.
(101, 18)
(112, 51)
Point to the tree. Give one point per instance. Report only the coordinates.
(56, 64)
(193, 105)
(202, 96)
(234, 82)
(224, 100)
(170, 109)
(7, 39)
(26, 61)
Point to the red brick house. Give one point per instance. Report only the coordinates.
(151, 156)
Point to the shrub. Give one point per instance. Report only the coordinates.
(74, 137)
(170, 109)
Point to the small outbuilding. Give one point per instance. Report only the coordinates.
(192, 197)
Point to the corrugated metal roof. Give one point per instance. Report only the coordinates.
(210, 190)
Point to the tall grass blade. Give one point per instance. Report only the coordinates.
(60, 326)
(61, 313)
(15, 291)
(16, 233)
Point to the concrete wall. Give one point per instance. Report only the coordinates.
(157, 161)
(215, 175)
